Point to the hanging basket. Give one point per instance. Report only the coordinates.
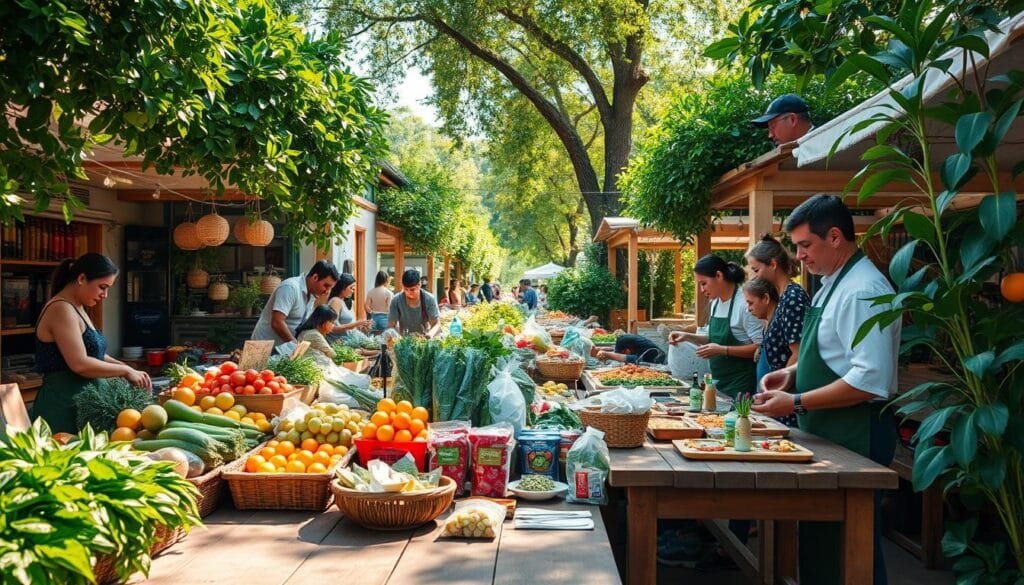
(212, 229)
(218, 291)
(197, 278)
(269, 283)
(186, 236)
(239, 229)
(259, 233)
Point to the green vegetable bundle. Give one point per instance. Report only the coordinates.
(344, 353)
(61, 507)
(414, 362)
(104, 398)
(487, 316)
(559, 417)
(447, 379)
(303, 371)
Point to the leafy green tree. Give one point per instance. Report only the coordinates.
(568, 60)
(231, 91)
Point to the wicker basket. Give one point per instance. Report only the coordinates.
(186, 237)
(560, 370)
(394, 511)
(104, 569)
(239, 229)
(218, 291)
(211, 490)
(277, 491)
(212, 229)
(556, 336)
(620, 430)
(259, 233)
(269, 283)
(197, 278)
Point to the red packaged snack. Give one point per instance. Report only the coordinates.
(492, 459)
(448, 443)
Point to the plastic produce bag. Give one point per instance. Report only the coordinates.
(354, 396)
(506, 402)
(474, 519)
(619, 401)
(536, 335)
(683, 361)
(578, 341)
(586, 468)
(448, 443)
(294, 414)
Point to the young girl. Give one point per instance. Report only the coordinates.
(314, 330)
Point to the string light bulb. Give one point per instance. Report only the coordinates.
(109, 182)
(156, 194)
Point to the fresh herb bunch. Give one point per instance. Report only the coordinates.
(487, 316)
(344, 353)
(600, 338)
(743, 402)
(559, 417)
(104, 398)
(58, 510)
(303, 371)
(489, 342)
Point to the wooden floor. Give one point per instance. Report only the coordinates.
(277, 548)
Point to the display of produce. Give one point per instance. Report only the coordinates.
(224, 404)
(102, 401)
(64, 505)
(558, 417)
(325, 423)
(303, 370)
(604, 338)
(189, 385)
(450, 381)
(536, 483)
(487, 316)
(552, 390)
(631, 376)
(556, 316)
(344, 353)
(396, 421)
(309, 456)
(560, 355)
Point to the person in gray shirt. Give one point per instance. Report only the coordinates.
(415, 310)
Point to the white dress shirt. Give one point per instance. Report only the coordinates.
(871, 366)
(291, 298)
(745, 327)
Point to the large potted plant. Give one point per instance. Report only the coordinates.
(958, 249)
(246, 298)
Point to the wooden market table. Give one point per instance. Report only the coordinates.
(838, 485)
(282, 547)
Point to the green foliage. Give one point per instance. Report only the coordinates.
(344, 353)
(302, 371)
(61, 507)
(248, 295)
(424, 210)
(587, 289)
(664, 281)
(485, 316)
(231, 91)
(941, 291)
(706, 133)
(104, 398)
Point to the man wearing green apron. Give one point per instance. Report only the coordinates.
(837, 389)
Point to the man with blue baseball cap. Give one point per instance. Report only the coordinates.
(786, 119)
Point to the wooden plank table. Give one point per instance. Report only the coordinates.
(297, 548)
(837, 486)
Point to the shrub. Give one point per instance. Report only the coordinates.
(588, 289)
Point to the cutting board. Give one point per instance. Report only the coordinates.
(689, 430)
(801, 455)
(771, 428)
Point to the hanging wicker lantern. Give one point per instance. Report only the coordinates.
(212, 229)
(259, 233)
(239, 229)
(269, 283)
(218, 291)
(186, 237)
(197, 278)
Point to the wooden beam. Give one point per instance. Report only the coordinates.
(762, 211)
(146, 195)
(612, 260)
(701, 302)
(387, 228)
(620, 239)
(677, 303)
(633, 286)
(431, 281)
(399, 260)
(447, 272)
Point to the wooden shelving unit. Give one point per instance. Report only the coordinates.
(17, 331)
(48, 263)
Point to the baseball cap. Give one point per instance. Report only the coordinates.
(789, 103)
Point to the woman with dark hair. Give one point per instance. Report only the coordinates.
(314, 329)
(763, 302)
(340, 301)
(733, 334)
(768, 260)
(70, 351)
(378, 301)
(454, 295)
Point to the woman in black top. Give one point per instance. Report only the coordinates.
(70, 351)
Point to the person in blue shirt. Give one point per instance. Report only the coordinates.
(473, 295)
(486, 291)
(527, 295)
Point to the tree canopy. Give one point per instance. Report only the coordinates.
(232, 91)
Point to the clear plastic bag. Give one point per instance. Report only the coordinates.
(474, 519)
(683, 361)
(505, 401)
(536, 335)
(586, 466)
(619, 401)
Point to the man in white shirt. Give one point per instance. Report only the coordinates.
(292, 301)
(837, 388)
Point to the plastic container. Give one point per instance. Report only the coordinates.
(455, 329)
(155, 357)
(391, 451)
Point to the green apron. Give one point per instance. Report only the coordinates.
(55, 401)
(821, 542)
(733, 375)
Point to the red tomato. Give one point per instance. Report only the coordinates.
(280, 379)
(223, 379)
(258, 384)
(228, 367)
(250, 376)
(238, 379)
(250, 389)
(287, 387)
(265, 390)
(226, 388)
(212, 372)
(267, 375)
(274, 386)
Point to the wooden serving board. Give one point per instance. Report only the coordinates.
(690, 430)
(801, 455)
(771, 428)
(597, 386)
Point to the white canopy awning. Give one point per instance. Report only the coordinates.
(549, 270)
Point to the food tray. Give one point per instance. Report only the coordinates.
(765, 426)
(758, 453)
(600, 387)
(686, 428)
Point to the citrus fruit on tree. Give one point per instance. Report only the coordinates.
(1012, 287)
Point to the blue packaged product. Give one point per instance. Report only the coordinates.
(538, 452)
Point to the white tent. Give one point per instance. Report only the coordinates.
(549, 270)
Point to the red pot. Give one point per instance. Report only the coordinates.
(155, 357)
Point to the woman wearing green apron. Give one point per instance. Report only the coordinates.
(70, 352)
(733, 333)
(837, 389)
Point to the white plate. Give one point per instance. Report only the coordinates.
(560, 489)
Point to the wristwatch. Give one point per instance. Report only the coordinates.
(797, 406)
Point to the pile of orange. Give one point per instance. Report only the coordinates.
(286, 457)
(397, 421)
